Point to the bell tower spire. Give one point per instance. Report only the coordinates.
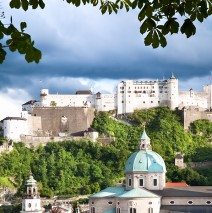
(31, 202)
(144, 143)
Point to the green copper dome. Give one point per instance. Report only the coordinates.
(145, 161)
(31, 181)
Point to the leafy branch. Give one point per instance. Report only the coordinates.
(158, 18)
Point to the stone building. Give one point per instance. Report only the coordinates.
(130, 95)
(133, 95)
(146, 191)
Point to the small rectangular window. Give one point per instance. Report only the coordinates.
(155, 182)
(141, 182)
(129, 182)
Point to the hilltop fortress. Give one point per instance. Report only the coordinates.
(130, 96)
(72, 114)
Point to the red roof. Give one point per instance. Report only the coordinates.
(179, 184)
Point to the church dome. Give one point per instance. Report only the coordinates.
(145, 161)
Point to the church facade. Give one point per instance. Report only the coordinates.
(146, 190)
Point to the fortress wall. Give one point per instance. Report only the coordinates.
(191, 114)
(191, 98)
(64, 119)
(35, 141)
(34, 124)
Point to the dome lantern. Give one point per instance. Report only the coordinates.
(144, 143)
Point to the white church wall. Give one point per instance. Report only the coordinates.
(140, 204)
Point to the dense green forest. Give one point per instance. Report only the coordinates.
(72, 168)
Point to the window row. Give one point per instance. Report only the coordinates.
(131, 210)
(190, 202)
(141, 182)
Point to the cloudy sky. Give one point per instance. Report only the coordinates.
(83, 49)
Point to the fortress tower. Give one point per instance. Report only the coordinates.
(173, 94)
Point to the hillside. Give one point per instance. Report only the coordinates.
(70, 168)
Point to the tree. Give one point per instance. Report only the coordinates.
(158, 19)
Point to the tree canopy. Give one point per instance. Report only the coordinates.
(81, 167)
(158, 19)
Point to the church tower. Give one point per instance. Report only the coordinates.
(145, 168)
(31, 200)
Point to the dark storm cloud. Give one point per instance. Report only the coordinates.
(80, 42)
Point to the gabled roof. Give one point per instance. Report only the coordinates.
(120, 192)
(138, 192)
(109, 192)
(14, 118)
(30, 102)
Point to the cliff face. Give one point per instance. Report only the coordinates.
(55, 120)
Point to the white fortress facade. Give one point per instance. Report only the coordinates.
(101, 102)
(130, 95)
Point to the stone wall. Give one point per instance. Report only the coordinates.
(35, 141)
(69, 120)
(192, 114)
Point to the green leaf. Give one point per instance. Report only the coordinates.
(15, 4)
(143, 27)
(140, 4)
(148, 39)
(41, 4)
(121, 5)
(127, 7)
(37, 55)
(181, 9)
(24, 4)
(109, 9)
(162, 39)
(1, 35)
(103, 9)
(141, 15)
(155, 40)
(166, 27)
(23, 26)
(33, 3)
(188, 28)
(2, 55)
(77, 3)
(149, 11)
(134, 4)
(174, 26)
(200, 17)
(193, 16)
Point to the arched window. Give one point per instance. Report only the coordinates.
(150, 210)
(132, 210)
(92, 210)
(118, 210)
